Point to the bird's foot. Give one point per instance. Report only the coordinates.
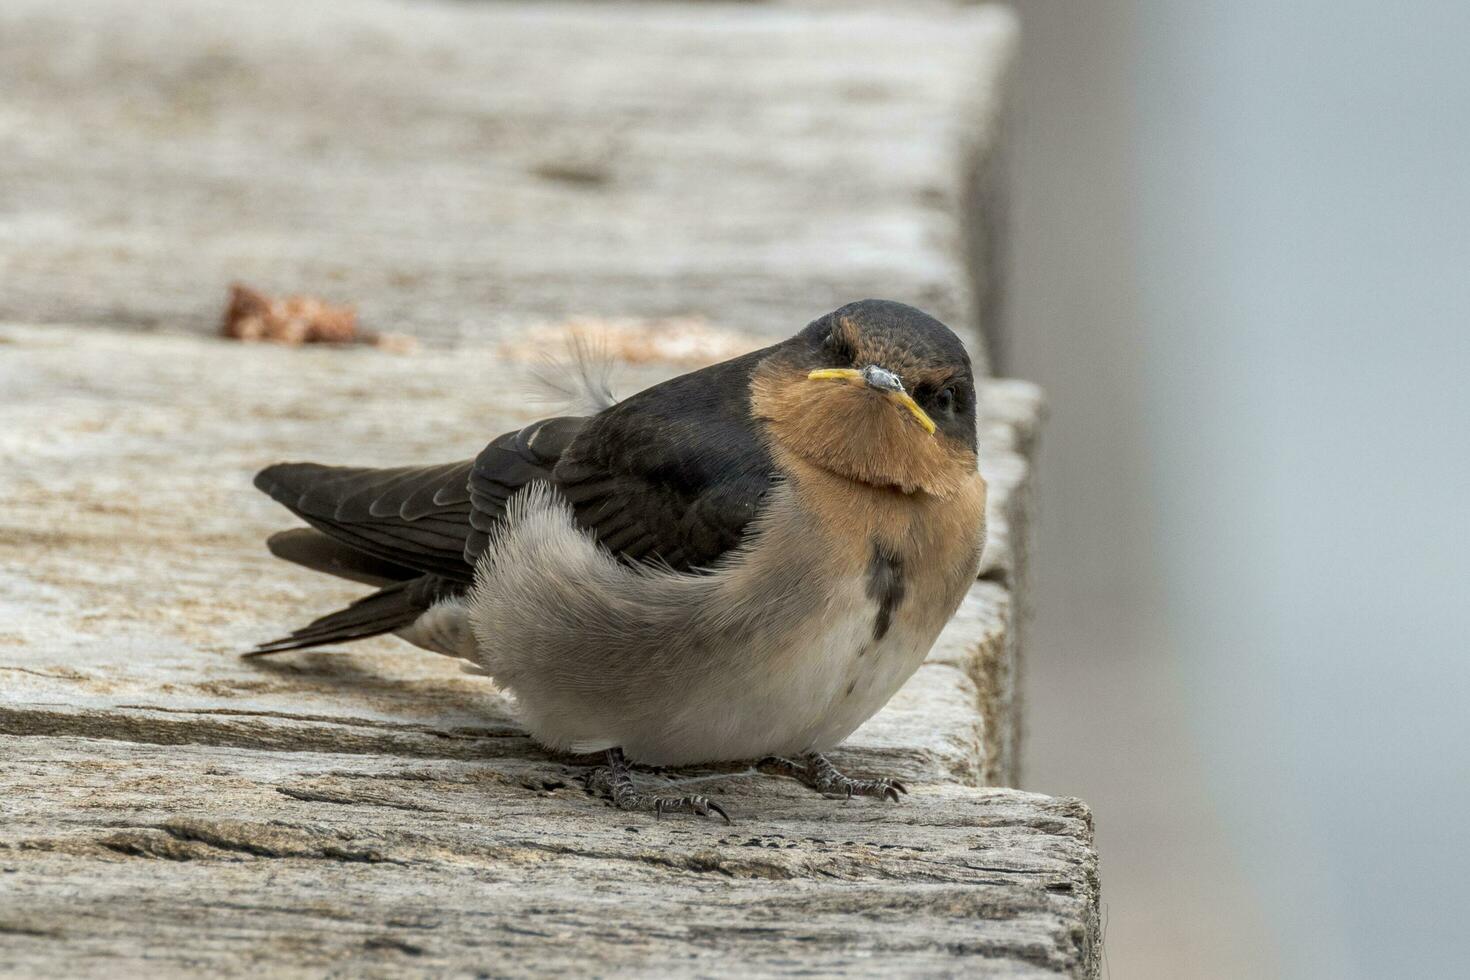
(814, 770)
(616, 780)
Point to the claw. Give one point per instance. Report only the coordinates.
(825, 778)
(698, 805)
(625, 797)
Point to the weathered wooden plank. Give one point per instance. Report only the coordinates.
(118, 859)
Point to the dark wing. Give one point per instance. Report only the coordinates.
(506, 465)
(428, 519)
(416, 517)
(675, 473)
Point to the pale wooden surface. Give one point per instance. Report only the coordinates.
(460, 169)
(463, 172)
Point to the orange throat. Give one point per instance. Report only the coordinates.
(857, 433)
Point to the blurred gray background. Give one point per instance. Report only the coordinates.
(1242, 272)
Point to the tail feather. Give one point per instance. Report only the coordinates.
(312, 549)
(391, 608)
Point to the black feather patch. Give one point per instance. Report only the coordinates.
(885, 586)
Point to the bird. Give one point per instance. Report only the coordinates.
(744, 562)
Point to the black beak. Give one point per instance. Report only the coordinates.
(881, 378)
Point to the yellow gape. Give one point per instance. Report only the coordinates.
(900, 397)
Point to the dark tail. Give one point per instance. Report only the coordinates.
(386, 610)
(310, 548)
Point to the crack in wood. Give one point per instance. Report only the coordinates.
(351, 799)
(234, 837)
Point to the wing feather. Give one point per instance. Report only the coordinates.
(673, 475)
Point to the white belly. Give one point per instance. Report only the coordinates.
(817, 688)
(834, 676)
(829, 679)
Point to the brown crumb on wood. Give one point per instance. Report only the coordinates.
(253, 316)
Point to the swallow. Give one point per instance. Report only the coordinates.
(744, 562)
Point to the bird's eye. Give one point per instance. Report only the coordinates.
(944, 401)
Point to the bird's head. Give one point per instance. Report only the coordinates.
(876, 391)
